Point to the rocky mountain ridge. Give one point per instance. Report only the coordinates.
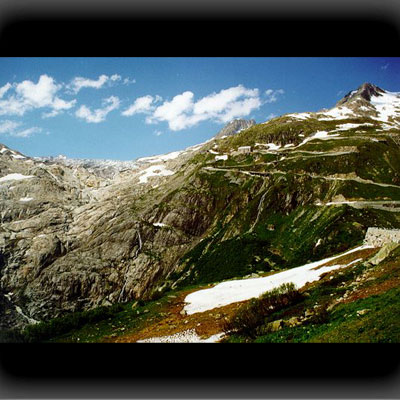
(234, 127)
(75, 237)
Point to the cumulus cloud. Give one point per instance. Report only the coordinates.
(7, 126)
(12, 128)
(79, 82)
(182, 112)
(99, 115)
(272, 95)
(39, 94)
(29, 95)
(141, 105)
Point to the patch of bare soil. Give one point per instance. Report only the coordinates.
(205, 324)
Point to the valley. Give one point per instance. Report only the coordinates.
(181, 243)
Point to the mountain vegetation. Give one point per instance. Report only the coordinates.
(109, 252)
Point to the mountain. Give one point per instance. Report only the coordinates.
(234, 127)
(74, 238)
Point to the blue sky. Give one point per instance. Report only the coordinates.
(125, 108)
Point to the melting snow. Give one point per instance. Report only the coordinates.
(318, 135)
(154, 170)
(238, 290)
(336, 113)
(189, 336)
(387, 105)
(15, 177)
(3, 150)
(160, 224)
(25, 199)
(223, 157)
(344, 127)
(18, 156)
(213, 152)
(162, 157)
(299, 115)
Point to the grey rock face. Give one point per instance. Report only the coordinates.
(234, 127)
(365, 92)
(72, 239)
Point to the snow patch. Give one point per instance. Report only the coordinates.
(15, 177)
(160, 158)
(159, 224)
(302, 116)
(323, 135)
(223, 157)
(244, 289)
(387, 105)
(17, 156)
(26, 199)
(345, 127)
(189, 336)
(336, 113)
(154, 170)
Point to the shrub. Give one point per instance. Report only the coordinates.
(61, 325)
(253, 313)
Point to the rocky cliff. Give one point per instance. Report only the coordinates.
(74, 237)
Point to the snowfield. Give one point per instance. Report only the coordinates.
(15, 177)
(387, 105)
(154, 170)
(244, 289)
(322, 135)
(160, 158)
(189, 336)
(345, 127)
(340, 112)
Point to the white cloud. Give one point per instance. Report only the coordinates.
(141, 105)
(7, 126)
(40, 94)
(272, 95)
(60, 104)
(11, 128)
(182, 112)
(4, 89)
(128, 81)
(100, 114)
(79, 82)
(29, 95)
(14, 106)
(27, 132)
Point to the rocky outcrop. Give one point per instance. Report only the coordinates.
(234, 127)
(71, 239)
(378, 237)
(365, 92)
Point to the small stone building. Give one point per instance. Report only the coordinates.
(244, 149)
(379, 236)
